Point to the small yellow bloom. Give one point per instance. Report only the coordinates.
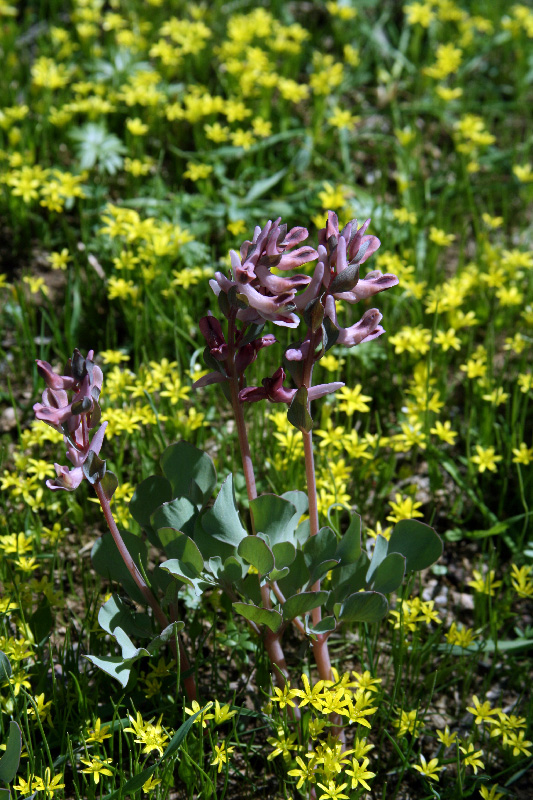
(485, 458)
(484, 585)
(446, 738)
(196, 172)
(406, 508)
(472, 757)
(429, 769)
(221, 755)
(440, 237)
(136, 126)
(236, 227)
(523, 173)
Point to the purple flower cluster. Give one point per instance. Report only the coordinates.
(74, 417)
(264, 296)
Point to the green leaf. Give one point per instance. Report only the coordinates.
(501, 527)
(319, 570)
(349, 579)
(274, 516)
(349, 548)
(325, 625)
(108, 563)
(364, 607)
(297, 578)
(389, 575)
(190, 471)
(262, 186)
(313, 314)
(185, 573)
(319, 548)
(5, 667)
(178, 738)
(419, 543)
(298, 414)
(9, 763)
(115, 666)
(116, 613)
(252, 333)
(147, 497)
(179, 514)
(109, 484)
(302, 603)
(284, 554)
(222, 522)
(178, 545)
(41, 622)
(380, 551)
(233, 572)
(257, 553)
(261, 616)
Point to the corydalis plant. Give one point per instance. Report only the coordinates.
(253, 295)
(75, 418)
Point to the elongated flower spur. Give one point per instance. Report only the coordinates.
(73, 418)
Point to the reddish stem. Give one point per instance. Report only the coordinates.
(320, 646)
(188, 681)
(271, 640)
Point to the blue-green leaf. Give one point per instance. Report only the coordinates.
(222, 522)
(380, 551)
(364, 607)
(419, 543)
(179, 514)
(274, 516)
(319, 548)
(117, 667)
(389, 575)
(284, 554)
(257, 553)
(149, 495)
(302, 603)
(179, 545)
(261, 616)
(325, 625)
(9, 763)
(108, 562)
(349, 548)
(190, 471)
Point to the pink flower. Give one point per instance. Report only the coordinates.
(73, 418)
(269, 296)
(274, 390)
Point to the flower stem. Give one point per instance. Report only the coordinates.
(272, 641)
(320, 646)
(188, 681)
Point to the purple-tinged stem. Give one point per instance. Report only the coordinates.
(188, 682)
(320, 646)
(271, 640)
